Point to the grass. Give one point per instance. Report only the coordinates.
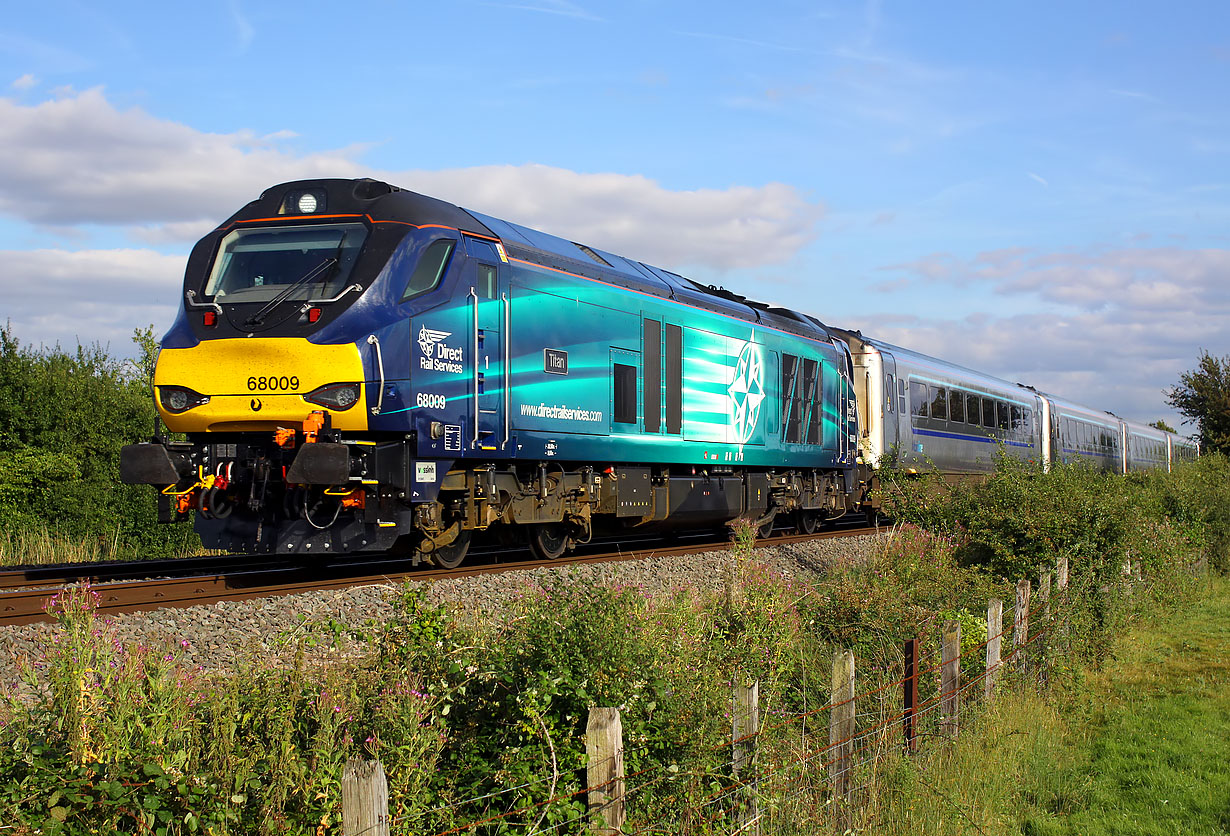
(1141, 746)
(1157, 758)
(39, 547)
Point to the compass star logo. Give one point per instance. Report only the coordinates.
(428, 338)
(746, 393)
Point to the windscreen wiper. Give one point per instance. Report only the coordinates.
(259, 317)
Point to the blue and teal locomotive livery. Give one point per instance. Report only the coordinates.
(356, 367)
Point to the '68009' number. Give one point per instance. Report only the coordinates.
(273, 384)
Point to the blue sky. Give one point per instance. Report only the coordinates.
(1041, 191)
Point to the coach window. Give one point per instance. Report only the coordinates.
(988, 413)
(1029, 422)
(956, 407)
(973, 409)
(625, 394)
(1002, 415)
(939, 404)
(1018, 420)
(430, 268)
(918, 399)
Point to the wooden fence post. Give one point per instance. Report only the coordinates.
(1044, 593)
(1061, 572)
(950, 678)
(841, 737)
(910, 696)
(995, 629)
(1020, 623)
(604, 771)
(365, 799)
(745, 726)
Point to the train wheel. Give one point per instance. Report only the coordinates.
(450, 556)
(808, 522)
(548, 541)
(765, 531)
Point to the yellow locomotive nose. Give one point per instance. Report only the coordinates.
(240, 385)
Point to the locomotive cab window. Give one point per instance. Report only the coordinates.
(256, 265)
(486, 281)
(428, 272)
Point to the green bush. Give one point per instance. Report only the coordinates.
(63, 419)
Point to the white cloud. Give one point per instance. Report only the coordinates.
(26, 82)
(741, 226)
(1126, 322)
(1101, 360)
(77, 159)
(87, 296)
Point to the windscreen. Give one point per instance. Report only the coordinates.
(255, 265)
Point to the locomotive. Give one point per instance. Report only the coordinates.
(359, 368)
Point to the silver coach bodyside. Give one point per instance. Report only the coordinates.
(1080, 433)
(1147, 448)
(951, 418)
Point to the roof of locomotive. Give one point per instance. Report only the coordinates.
(570, 256)
(382, 201)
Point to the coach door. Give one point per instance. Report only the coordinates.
(891, 403)
(489, 308)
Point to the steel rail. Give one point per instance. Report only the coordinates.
(27, 605)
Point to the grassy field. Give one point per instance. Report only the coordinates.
(1141, 746)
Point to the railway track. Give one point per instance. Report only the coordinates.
(150, 585)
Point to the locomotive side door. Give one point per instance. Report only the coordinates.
(489, 313)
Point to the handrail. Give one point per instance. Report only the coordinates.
(507, 371)
(474, 360)
(190, 300)
(348, 289)
(373, 340)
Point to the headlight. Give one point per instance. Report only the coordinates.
(339, 396)
(180, 398)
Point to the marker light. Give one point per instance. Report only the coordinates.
(211, 319)
(313, 314)
(307, 203)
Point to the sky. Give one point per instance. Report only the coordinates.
(1036, 190)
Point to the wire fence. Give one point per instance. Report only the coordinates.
(771, 772)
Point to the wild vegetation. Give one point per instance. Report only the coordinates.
(63, 418)
(481, 720)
